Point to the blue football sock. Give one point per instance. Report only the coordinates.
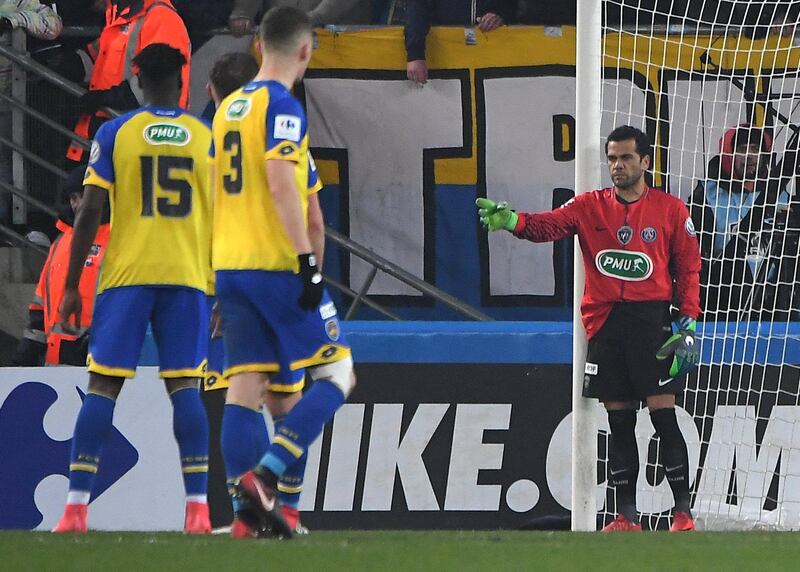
(260, 440)
(291, 483)
(190, 425)
(302, 425)
(244, 439)
(91, 429)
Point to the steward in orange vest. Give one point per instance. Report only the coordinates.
(130, 26)
(44, 341)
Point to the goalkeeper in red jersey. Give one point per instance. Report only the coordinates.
(636, 241)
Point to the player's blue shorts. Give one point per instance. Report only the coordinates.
(216, 366)
(264, 329)
(179, 318)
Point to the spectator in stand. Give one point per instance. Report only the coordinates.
(39, 21)
(203, 17)
(320, 12)
(422, 14)
(734, 216)
(130, 26)
(44, 341)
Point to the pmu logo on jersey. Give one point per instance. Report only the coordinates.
(624, 234)
(167, 134)
(624, 265)
(237, 109)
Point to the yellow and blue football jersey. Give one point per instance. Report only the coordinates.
(153, 163)
(214, 378)
(259, 122)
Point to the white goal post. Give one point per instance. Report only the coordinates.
(588, 79)
(711, 83)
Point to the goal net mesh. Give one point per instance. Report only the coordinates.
(715, 84)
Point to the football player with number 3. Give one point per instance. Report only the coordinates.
(152, 163)
(276, 316)
(229, 73)
(635, 241)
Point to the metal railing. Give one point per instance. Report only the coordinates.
(380, 263)
(359, 297)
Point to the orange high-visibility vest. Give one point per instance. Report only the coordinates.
(121, 40)
(50, 289)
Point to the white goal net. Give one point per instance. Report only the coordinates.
(716, 85)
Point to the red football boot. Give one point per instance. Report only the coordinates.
(197, 520)
(263, 502)
(682, 521)
(73, 519)
(240, 529)
(292, 518)
(622, 524)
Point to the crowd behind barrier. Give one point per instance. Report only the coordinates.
(725, 263)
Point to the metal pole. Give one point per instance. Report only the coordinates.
(86, 144)
(16, 237)
(19, 83)
(347, 291)
(33, 157)
(588, 77)
(404, 276)
(25, 197)
(361, 294)
(30, 65)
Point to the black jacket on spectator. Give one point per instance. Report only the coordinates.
(547, 12)
(422, 14)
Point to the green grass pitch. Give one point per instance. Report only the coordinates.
(402, 550)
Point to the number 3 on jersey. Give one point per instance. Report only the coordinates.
(232, 145)
(166, 173)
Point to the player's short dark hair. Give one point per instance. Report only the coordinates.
(281, 28)
(159, 62)
(232, 71)
(627, 132)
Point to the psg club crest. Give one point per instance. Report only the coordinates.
(624, 234)
(649, 234)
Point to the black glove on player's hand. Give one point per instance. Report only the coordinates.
(312, 282)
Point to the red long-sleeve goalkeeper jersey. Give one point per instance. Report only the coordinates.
(631, 252)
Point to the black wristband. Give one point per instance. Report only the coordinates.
(312, 281)
(308, 260)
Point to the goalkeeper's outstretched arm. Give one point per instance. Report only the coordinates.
(536, 227)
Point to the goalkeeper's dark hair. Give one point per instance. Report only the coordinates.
(282, 27)
(627, 132)
(158, 63)
(232, 71)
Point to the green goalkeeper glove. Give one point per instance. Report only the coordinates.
(496, 216)
(682, 347)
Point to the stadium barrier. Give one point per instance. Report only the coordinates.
(452, 425)
(402, 165)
